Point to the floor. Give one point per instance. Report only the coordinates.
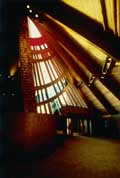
(78, 156)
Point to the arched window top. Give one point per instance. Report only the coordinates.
(33, 30)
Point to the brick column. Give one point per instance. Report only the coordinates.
(26, 69)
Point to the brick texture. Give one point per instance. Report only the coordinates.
(26, 69)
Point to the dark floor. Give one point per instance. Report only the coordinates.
(79, 156)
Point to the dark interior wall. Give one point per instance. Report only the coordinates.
(29, 131)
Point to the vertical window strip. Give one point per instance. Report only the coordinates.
(50, 109)
(63, 84)
(46, 46)
(41, 75)
(36, 75)
(69, 98)
(34, 48)
(37, 91)
(50, 71)
(60, 88)
(66, 98)
(56, 67)
(57, 88)
(42, 109)
(33, 56)
(44, 94)
(62, 100)
(47, 109)
(42, 47)
(72, 101)
(58, 102)
(75, 95)
(37, 96)
(51, 91)
(45, 73)
(33, 73)
(49, 54)
(38, 109)
(53, 69)
(39, 56)
(59, 64)
(40, 95)
(38, 48)
(60, 85)
(31, 47)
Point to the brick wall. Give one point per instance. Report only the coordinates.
(26, 69)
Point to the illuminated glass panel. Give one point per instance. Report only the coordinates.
(64, 81)
(56, 66)
(67, 98)
(40, 75)
(58, 102)
(47, 108)
(43, 109)
(72, 101)
(57, 88)
(46, 46)
(33, 31)
(75, 95)
(51, 91)
(40, 95)
(72, 96)
(45, 73)
(44, 94)
(38, 109)
(50, 71)
(33, 75)
(36, 76)
(48, 53)
(39, 56)
(38, 48)
(62, 100)
(36, 96)
(32, 48)
(33, 56)
(35, 47)
(60, 85)
(54, 72)
(42, 47)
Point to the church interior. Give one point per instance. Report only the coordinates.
(60, 88)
